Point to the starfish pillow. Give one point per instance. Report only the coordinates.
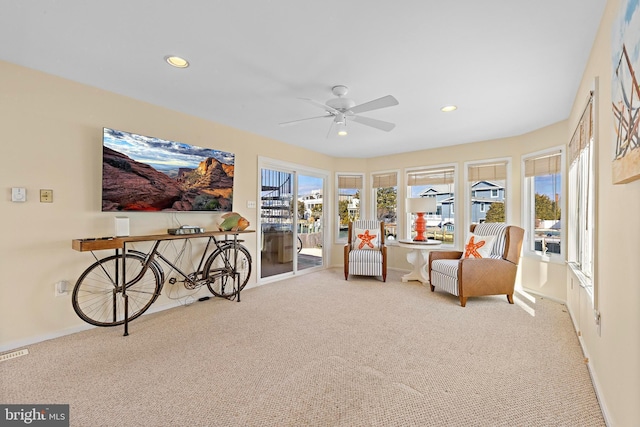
(478, 246)
(366, 239)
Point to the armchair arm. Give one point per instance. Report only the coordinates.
(347, 249)
(436, 255)
(486, 276)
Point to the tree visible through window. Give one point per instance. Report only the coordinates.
(348, 202)
(543, 179)
(385, 186)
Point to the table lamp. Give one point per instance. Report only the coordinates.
(419, 206)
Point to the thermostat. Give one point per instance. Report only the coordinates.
(18, 194)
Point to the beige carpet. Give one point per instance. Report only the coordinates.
(317, 350)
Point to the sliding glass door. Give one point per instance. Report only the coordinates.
(310, 221)
(291, 220)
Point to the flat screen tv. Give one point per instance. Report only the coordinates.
(143, 173)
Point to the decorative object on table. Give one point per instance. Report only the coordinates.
(625, 92)
(469, 277)
(365, 253)
(233, 221)
(420, 206)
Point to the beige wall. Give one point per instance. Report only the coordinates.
(51, 138)
(614, 354)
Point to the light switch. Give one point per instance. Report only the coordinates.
(46, 196)
(18, 194)
(251, 204)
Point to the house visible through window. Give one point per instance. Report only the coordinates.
(487, 184)
(439, 183)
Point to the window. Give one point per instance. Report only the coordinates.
(487, 184)
(542, 202)
(581, 198)
(437, 182)
(348, 203)
(385, 188)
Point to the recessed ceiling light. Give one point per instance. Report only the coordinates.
(176, 61)
(448, 108)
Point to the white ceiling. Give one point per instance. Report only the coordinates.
(511, 66)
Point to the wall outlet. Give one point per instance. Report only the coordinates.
(598, 321)
(46, 196)
(251, 204)
(61, 288)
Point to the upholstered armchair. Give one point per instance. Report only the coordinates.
(365, 253)
(488, 266)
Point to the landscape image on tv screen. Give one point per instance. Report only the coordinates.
(143, 173)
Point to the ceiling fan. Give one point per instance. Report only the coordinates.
(342, 109)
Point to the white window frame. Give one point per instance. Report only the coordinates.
(528, 208)
(363, 201)
(374, 195)
(454, 186)
(468, 189)
(582, 192)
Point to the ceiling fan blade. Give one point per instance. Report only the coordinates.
(378, 124)
(330, 129)
(302, 120)
(321, 105)
(385, 101)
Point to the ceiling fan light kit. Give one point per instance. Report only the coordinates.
(342, 129)
(340, 108)
(176, 61)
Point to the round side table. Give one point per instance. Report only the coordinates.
(418, 257)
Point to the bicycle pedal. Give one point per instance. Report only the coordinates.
(203, 298)
(172, 280)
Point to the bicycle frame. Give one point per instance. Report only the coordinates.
(224, 266)
(151, 262)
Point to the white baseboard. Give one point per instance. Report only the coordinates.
(592, 374)
(13, 345)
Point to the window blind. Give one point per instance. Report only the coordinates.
(583, 133)
(488, 172)
(350, 181)
(389, 179)
(431, 177)
(548, 164)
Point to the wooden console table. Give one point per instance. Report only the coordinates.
(100, 243)
(227, 265)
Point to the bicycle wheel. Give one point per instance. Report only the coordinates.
(223, 280)
(97, 295)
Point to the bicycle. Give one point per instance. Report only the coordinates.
(119, 288)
